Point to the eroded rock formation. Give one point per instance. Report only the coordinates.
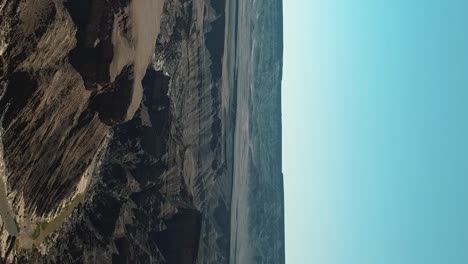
(120, 124)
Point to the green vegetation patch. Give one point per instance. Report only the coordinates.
(44, 229)
(37, 232)
(39, 227)
(44, 225)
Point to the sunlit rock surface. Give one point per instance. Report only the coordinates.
(141, 131)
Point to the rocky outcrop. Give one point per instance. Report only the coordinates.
(132, 214)
(183, 50)
(51, 134)
(146, 129)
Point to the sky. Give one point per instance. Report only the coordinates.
(375, 131)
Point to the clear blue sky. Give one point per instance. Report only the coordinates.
(375, 123)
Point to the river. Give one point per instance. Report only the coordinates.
(5, 209)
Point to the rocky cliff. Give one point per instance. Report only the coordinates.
(118, 126)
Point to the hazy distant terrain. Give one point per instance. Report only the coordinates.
(257, 223)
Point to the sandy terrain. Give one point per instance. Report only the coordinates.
(145, 23)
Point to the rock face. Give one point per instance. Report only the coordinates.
(164, 115)
(50, 131)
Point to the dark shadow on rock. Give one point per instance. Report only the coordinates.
(113, 102)
(20, 89)
(179, 242)
(157, 101)
(94, 51)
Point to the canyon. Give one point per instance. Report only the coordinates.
(142, 131)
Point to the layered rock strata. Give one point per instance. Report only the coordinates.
(121, 126)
